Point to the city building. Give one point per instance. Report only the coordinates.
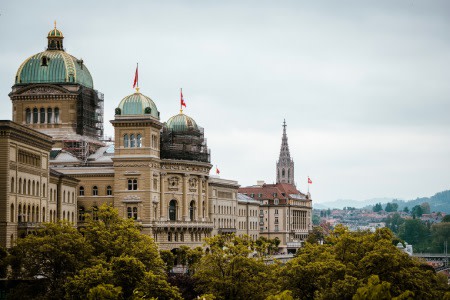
(284, 213)
(54, 164)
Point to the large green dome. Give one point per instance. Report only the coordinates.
(54, 66)
(138, 104)
(181, 123)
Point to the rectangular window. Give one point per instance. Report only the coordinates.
(276, 228)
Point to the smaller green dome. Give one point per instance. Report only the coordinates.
(181, 122)
(55, 33)
(137, 104)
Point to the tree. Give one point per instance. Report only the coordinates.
(406, 209)
(56, 252)
(414, 232)
(446, 219)
(316, 219)
(425, 208)
(350, 260)
(440, 233)
(228, 272)
(417, 211)
(390, 207)
(124, 262)
(394, 221)
(377, 207)
(112, 236)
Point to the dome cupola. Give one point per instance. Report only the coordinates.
(55, 39)
(181, 123)
(137, 104)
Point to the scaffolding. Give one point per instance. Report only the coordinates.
(90, 113)
(185, 145)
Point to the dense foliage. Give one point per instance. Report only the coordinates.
(108, 259)
(111, 259)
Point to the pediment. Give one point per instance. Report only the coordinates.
(42, 90)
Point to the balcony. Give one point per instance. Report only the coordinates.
(28, 225)
(161, 225)
(226, 230)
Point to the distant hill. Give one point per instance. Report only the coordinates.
(341, 203)
(438, 202)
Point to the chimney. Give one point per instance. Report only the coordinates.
(260, 182)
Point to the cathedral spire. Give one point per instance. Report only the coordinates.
(285, 165)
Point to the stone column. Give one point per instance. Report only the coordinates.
(184, 204)
(200, 216)
(206, 199)
(162, 200)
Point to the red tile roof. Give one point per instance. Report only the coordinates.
(268, 191)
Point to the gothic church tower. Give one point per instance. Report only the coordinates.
(285, 165)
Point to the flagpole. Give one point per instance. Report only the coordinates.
(137, 68)
(181, 97)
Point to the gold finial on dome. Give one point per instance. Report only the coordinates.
(137, 89)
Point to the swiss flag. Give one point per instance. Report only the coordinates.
(217, 170)
(309, 180)
(182, 103)
(136, 78)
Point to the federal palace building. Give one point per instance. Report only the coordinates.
(55, 165)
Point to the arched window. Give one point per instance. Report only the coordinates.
(56, 119)
(64, 215)
(19, 213)
(129, 212)
(42, 115)
(28, 116)
(81, 191)
(12, 218)
(203, 206)
(49, 115)
(135, 213)
(73, 197)
(139, 141)
(64, 197)
(282, 172)
(33, 216)
(109, 190)
(38, 190)
(73, 217)
(173, 210)
(35, 115)
(95, 191)
(43, 214)
(29, 188)
(43, 190)
(132, 141)
(81, 213)
(192, 210)
(125, 141)
(20, 186)
(12, 185)
(289, 174)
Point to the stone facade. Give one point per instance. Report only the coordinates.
(53, 165)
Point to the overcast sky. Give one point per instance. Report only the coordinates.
(364, 86)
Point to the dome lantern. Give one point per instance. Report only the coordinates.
(55, 39)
